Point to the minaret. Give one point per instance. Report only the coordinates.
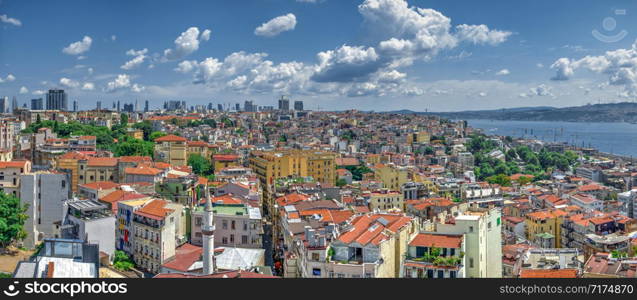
(207, 231)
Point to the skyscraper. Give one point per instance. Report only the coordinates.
(37, 104)
(136, 105)
(14, 104)
(298, 105)
(4, 105)
(99, 105)
(118, 108)
(237, 107)
(249, 107)
(284, 104)
(146, 106)
(75, 105)
(57, 100)
(220, 107)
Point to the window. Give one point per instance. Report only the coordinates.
(452, 274)
(224, 240)
(471, 262)
(430, 273)
(316, 272)
(232, 226)
(198, 221)
(224, 224)
(441, 274)
(244, 239)
(470, 228)
(232, 238)
(315, 256)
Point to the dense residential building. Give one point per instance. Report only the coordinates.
(171, 149)
(45, 195)
(236, 225)
(156, 227)
(482, 229)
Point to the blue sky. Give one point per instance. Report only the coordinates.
(372, 55)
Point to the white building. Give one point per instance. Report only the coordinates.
(482, 230)
(45, 194)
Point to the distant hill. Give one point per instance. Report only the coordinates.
(613, 112)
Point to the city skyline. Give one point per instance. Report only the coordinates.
(371, 55)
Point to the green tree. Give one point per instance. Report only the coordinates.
(500, 179)
(146, 127)
(155, 135)
(341, 182)
(123, 119)
(122, 261)
(133, 147)
(12, 218)
(200, 165)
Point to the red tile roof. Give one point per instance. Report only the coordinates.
(437, 240)
(73, 155)
(291, 199)
(100, 185)
(102, 161)
(136, 159)
(225, 157)
(13, 164)
(185, 257)
(155, 209)
(143, 171)
(171, 138)
(372, 228)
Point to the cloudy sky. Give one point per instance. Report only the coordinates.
(333, 54)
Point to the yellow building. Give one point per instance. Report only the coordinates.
(171, 149)
(272, 165)
(10, 175)
(392, 177)
(198, 147)
(70, 162)
(222, 161)
(386, 200)
(539, 223)
(135, 133)
(94, 169)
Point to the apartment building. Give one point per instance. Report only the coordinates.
(172, 149)
(433, 255)
(236, 225)
(124, 233)
(385, 200)
(370, 246)
(392, 177)
(10, 176)
(155, 228)
(45, 194)
(271, 165)
(89, 220)
(544, 228)
(482, 229)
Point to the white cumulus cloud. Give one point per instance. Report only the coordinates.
(79, 47)
(276, 26)
(186, 43)
(8, 20)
